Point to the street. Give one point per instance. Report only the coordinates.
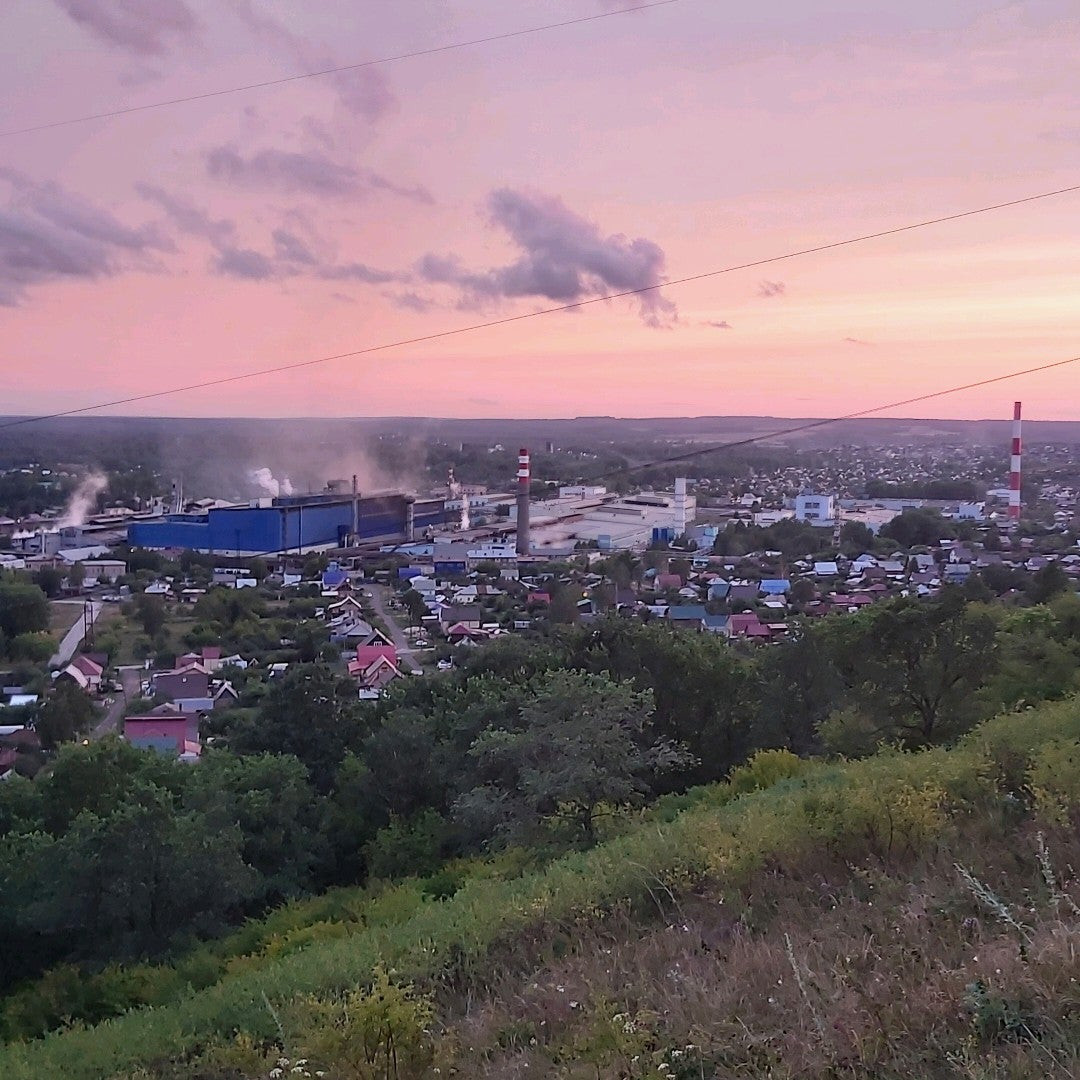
(378, 594)
(130, 679)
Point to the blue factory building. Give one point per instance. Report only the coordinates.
(288, 523)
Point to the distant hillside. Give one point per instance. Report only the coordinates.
(909, 915)
(328, 432)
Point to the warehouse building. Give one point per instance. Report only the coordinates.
(290, 523)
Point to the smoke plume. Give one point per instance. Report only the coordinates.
(265, 479)
(83, 499)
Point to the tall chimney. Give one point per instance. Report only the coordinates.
(355, 509)
(523, 479)
(1014, 468)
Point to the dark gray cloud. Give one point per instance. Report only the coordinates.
(857, 341)
(769, 289)
(186, 216)
(296, 248)
(717, 324)
(292, 256)
(247, 264)
(288, 247)
(142, 27)
(564, 257)
(48, 234)
(296, 172)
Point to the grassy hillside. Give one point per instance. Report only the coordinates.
(906, 915)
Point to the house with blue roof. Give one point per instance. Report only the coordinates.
(688, 616)
(775, 586)
(718, 589)
(333, 577)
(716, 624)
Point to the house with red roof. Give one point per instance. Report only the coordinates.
(369, 653)
(208, 659)
(376, 675)
(85, 673)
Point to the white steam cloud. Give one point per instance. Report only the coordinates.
(265, 479)
(83, 499)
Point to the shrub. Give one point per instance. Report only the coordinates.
(766, 768)
(382, 1033)
(1054, 779)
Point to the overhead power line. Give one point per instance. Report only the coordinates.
(508, 319)
(810, 425)
(321, 73)
(750, 440)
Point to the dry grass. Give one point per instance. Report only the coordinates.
(887, 956)
(63, 616)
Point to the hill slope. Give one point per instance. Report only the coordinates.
(894, 917)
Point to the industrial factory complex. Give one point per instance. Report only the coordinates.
(334, 519)
(292, 523)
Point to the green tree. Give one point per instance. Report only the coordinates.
(855, 538)
(35, 647)
(129, 882)
(66, 714)
(582, 743)
(1036, 661)
(415, 605)
(76, 575)
(311, 713)
(702, 691)
(1000, 579)
(270, 798)
(49, 580)
(24, 609)
(920, 526)
(1047, 583)
(912, 667)
(99, 777)
(150, 614)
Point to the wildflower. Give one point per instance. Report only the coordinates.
(574, 1005)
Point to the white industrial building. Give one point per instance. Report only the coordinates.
(617, 524)
(816, 509)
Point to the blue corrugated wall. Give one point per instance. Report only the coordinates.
(278, 528)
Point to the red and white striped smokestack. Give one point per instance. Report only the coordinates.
(1014, 468)
(524, 479)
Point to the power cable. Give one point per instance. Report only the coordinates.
(284, 79)
(812, 424)
(750, 440)
(472, 328)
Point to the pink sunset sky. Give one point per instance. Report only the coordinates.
(322, 216)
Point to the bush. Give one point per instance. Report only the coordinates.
(766, 768)
(405, 847)
(1054, 779)
(382, 1032)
